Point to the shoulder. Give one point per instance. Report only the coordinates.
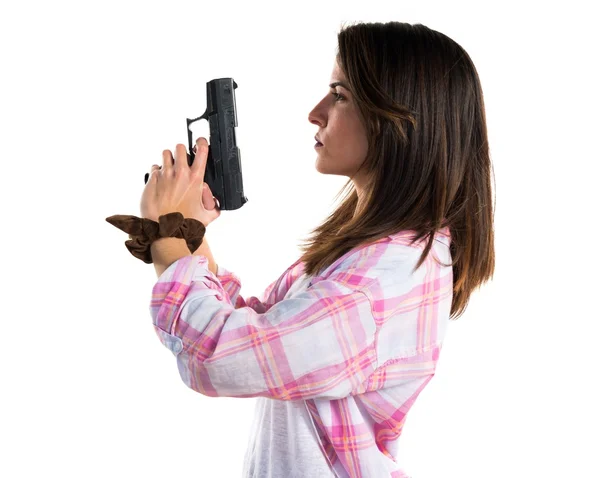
(393, 252)
(360, 267)
(388, 266)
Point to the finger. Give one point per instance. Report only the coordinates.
(199, 164)
(199, 141)
(207, 198)
(167, 160)
(180, 157)
(152, 176)
(155, 167)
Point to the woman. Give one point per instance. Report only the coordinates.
(340, 346)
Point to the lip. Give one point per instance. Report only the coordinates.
(318, 145)
(317, 140)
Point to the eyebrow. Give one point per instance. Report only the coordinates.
(339, 83)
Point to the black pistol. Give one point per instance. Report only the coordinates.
(223, 165)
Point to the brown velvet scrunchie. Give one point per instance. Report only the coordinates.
(143, 232)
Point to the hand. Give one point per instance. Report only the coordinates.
(177, 187)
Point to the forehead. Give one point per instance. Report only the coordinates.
(336, 73)
(338, 78)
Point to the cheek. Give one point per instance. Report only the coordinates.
(354, 148)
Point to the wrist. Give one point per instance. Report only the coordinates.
(204, 250)
(166, 250)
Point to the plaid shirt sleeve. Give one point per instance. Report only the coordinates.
(232, 285)
(318, 343)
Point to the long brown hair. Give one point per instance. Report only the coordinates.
(428, 160)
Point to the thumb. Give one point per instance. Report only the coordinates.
(207, 198)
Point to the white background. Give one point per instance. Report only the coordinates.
(91, 94)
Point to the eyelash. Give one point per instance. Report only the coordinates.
(338, 96)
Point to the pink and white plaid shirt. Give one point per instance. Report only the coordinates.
(358, 344)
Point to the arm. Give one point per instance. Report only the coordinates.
(204, 250)
(167, 250)
(318, 343)
(274, 292)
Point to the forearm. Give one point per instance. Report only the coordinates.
(204, 250)
(167, 250)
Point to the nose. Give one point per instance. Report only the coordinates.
(316, 117)
(315, 121)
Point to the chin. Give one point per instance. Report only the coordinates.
(319, 166)
(325, 168)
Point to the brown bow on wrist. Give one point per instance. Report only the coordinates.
(143, 232)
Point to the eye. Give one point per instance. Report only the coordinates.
(338, 97)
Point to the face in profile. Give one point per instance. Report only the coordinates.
(340, 131)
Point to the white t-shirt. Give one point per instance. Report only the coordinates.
(283, 443)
